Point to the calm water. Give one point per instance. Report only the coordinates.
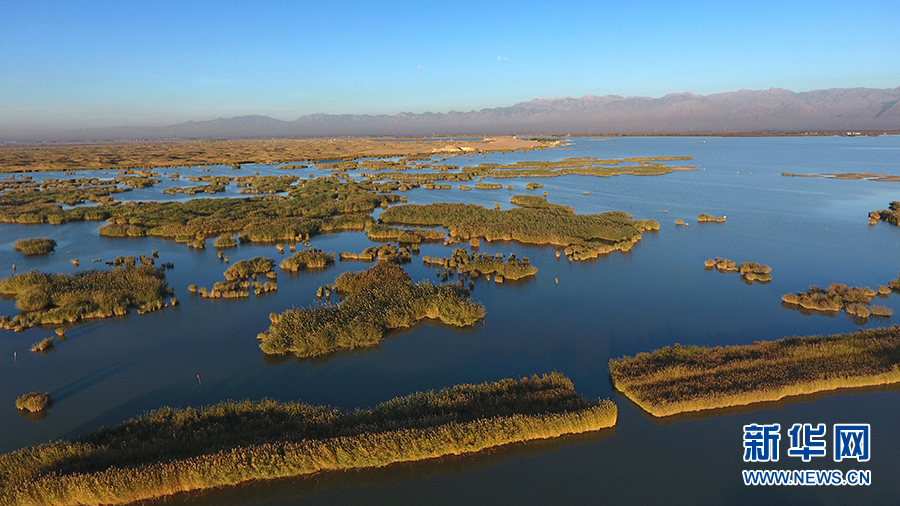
(809, 230)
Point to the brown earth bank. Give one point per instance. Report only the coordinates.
(174, 153)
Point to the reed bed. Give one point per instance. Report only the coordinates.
(380, 298)
(71, 191)
(225, 241)
(836, 297)
(750, 271)
(583, 235)
(61, 298)
(193, 190)
(240, 278)
(708, 218)
(172, 450)
(538, 202)
(404, 235)
(476, 264)
(32, 402)
(311, 209)
(387, 252)
(307, 259)
(35, 246)
(42, 345)
(890, 215)
(681, 379)
(894, 284)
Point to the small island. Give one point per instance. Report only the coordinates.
(890, 215)
(35, 246)
(708, 218)
(234, 442)
(241, 277)
(837, 297)
(750, 271)
(682, 379)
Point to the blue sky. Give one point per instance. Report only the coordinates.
(93, 63)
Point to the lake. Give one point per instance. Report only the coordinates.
(811, 231)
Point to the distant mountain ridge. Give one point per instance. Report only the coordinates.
(743, 111)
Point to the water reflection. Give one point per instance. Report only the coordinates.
(756, 406)
(288, 490)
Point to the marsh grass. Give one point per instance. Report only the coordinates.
(314, 207)
(895, 283)
(225, 241)
(680, 379)
(42, 345)
(388, 252)
(890, 215)
(708, 218)
(240, 278)
(233, 442)
(35, 246)
(307, 259)
(476, 264)
(583, 235)
(61, 298)
(750, 271)
(32, 402)
(384, 233)
(836, 297)
(380, 298)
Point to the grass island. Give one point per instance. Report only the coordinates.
(380, 298)
(535, 221)
(61, 298)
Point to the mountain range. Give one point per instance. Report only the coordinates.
(746, 111)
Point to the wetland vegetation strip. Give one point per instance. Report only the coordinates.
(173, 450)
(380, 298)
(310, 209)
(582, 235)
(681, 379)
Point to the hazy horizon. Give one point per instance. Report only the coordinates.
(94, 65)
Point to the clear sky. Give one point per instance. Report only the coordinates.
(82, 63)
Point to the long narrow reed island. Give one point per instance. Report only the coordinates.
(234, 442)
(681, 379)
(536, 221)
(380, 298)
